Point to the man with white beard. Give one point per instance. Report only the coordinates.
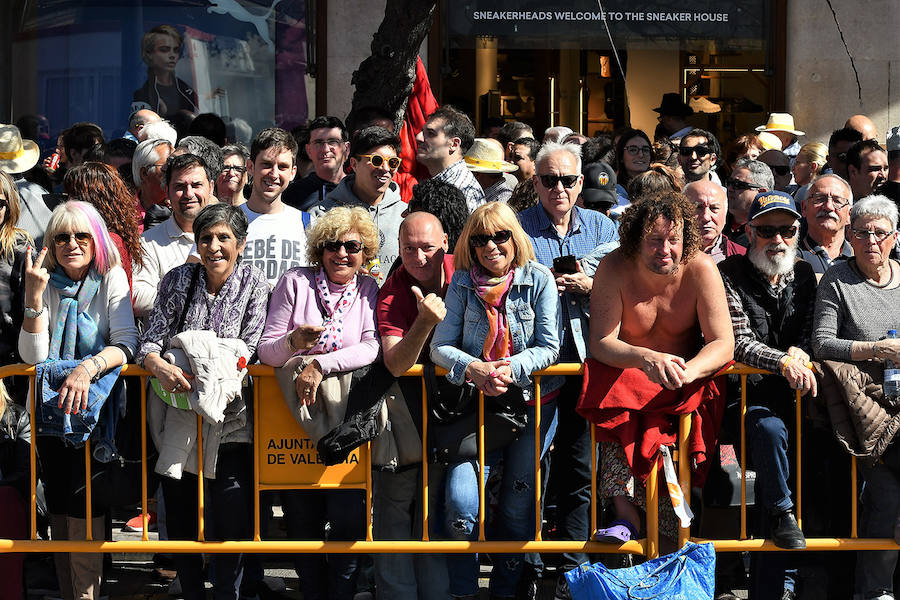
(771, 296)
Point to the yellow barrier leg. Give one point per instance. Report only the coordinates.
(743, 457)
(32, 457)
(424, 461)
(201, 524)
(89, 534)
(257, 534)
(145, 519)
(593, 482)
(537, 459)
(854, 499)
(799, 417)
(652, 546)
(481, 469)
(684, 471)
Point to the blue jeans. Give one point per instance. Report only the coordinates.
(398, 516)
(515, 513)
(768, 438)
(880, 508)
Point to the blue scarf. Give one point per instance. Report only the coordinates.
(74, 333)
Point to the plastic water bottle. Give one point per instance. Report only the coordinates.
(891, 373)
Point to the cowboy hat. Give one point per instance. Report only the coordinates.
(486, 156)
(16, 155)
(780, 122)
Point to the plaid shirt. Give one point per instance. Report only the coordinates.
(747, 347)
(458, 175)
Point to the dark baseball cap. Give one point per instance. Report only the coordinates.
(766, 202)
(599, 191)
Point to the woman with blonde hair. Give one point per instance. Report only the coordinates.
(808, 164)
(500, 327)
(320, 328)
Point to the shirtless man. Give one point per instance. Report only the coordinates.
(653, 297)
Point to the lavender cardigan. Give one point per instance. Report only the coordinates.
(294, 303)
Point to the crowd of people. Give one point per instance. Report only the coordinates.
(655, 261)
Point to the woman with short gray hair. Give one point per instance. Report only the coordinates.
(857, 304)
(233, 178)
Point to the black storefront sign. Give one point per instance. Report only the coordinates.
(627, 19)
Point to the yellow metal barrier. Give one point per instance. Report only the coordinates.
(356, 473)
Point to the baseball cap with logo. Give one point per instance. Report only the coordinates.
(599, 191)
(766, 202)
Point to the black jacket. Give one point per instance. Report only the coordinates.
(15, 443)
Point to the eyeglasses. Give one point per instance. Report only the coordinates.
(838, 201)
(865, 234)
(769, 231)
(635, 150)
(81, 238)
(351, 246)
(550, 181)
(737, 184)
(236, 168)
(332, 142)
(376, 160)
(480, 240)
(702, 151)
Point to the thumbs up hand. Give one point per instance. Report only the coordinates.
(431, 307)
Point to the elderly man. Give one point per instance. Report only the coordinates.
(138, 120)
(410, 305)
(485, 160)
(867, 168)
(712, 212)
(147, 173)
(771, 297)
(328, 148)
(659, 329)
(748, 178)
(440, 146)
(562, 233)
(167, 245)
(826, 209)
(863, 125)
(698, 154)
(781, 125)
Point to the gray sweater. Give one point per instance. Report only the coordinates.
(848, 309)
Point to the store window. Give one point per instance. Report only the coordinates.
(555, 63)
(97, 61)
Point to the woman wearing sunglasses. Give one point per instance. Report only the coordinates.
(857, 304)
(321, 325)
(79, 325)
(500, 327)
(634, 153)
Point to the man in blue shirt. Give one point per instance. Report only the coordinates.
(559, 228)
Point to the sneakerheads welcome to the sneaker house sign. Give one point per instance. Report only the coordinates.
(627, 19)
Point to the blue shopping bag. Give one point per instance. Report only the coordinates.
(688, 574)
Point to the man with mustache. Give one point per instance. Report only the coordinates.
(771, 296)
(826, 209)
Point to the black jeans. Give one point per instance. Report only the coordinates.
(229, 502)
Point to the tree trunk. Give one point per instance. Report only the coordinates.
(385, 79)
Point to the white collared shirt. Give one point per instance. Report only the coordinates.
(165, 247)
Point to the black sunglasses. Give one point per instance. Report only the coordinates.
(81, 238)
(701, 151)
(769, 231)
(737, 184)
(481, 240)
(550, 181)
(351, 246)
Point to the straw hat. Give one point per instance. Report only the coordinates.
(486, 156)
(769, 140)
(780, 122)
(16, 155)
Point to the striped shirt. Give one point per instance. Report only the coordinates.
(459, 176)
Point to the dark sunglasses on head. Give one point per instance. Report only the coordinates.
(686, 151)
(480, 240)
(81, 238)
(351, 246)
(780, 169)
(737, 184)
(769, 231)
(376, 160)
(550, 181)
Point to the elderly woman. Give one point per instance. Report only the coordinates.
(231, 181)
(322, 325)
(78, 309)
(857, 303)
(500, 327)
(224, 296)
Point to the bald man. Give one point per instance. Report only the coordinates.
(139, 120)
(410, 305)
(864, 125)
(712, 210)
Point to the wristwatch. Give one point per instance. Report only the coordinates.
(30, 313)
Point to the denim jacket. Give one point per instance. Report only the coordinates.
(531, 311)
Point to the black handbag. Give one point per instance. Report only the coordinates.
(453, 422)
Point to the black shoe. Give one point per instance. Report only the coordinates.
(785, 532)
(562, 589)
(528, 588)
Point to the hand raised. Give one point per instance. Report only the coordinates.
(430, 307)
(36, 278)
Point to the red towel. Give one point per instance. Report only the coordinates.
(421, 104)
(626, 407)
